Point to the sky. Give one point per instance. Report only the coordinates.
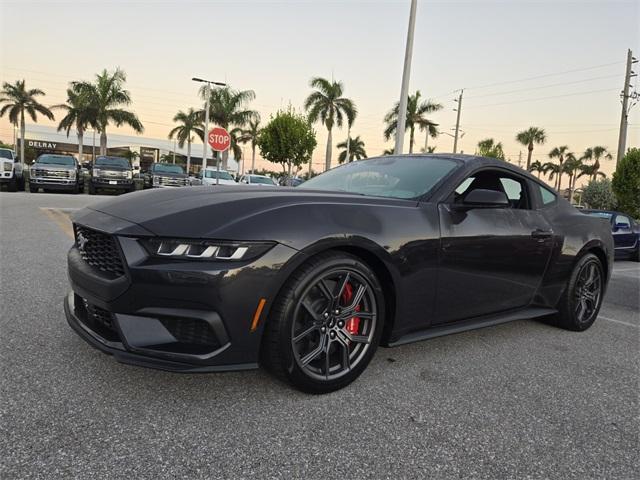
(553, 64)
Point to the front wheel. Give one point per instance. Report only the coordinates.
(326, 323)
(579, 306)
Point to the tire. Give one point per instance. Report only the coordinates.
(33, 188)
(21, 184)
(92, 189)
(76, 189)
(580, 303)
(328, 332)
(13, 185)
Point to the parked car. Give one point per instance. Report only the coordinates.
(286, 181)
(11, 173)
(257, 180)
(165, 175)
(386, 250)
(215, 177)
(625, 231)
(55, 172)
(111, 173)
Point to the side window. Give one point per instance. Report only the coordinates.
(512, 186)
(548, 197)
(623, 222)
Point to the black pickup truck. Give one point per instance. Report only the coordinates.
(111, 173)
(165, 175)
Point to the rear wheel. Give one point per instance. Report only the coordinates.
(326, 323)
(579, 306)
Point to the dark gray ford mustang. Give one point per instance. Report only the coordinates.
(308, 281)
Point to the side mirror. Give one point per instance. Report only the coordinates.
(486, 198)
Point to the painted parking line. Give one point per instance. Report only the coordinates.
(60, 218)
(628, 324)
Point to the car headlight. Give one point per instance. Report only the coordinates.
(7, 167)
(129, 175)
(32, 172)
(96, 172)
(155, 179)
(206, 249)
(72, 174)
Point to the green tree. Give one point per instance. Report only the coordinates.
(552, 170)
(107, 98)
(387, 151)
(16, 100)
(529, 137)
(595, 154)
(79, 114)
(189, 124)
(490, 148)
(356, 150)
(416, 111)
(288, 139)
(559, 153)
(599, 194)
(250, 135)
(327, 104)
(228, 109)
(537, 166)
(626, 183)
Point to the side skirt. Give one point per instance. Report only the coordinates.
(466, 325)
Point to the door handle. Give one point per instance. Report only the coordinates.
(539, 233)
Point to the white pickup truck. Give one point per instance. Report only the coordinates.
(10, 170)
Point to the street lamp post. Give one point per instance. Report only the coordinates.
(207, 96)
(404, 90)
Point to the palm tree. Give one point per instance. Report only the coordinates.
(17, 100)
(251, 135)
(559, 153)
(537, 166)
(356, 150)
(236, 139)
(490, 148)
(429, 149)
(189, 124)
(79, 115)
(552, 169)
(388, 151)
(572, 165)
(327, 104)
(416, 111)
(227, 109)
(595, 154)
(591, 171)
(106, 97)
(529, 137)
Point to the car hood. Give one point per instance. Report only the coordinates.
(169, 174)
(112, 167)
(226, 212)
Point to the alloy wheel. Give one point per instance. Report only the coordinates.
(588, 291)
(334, 324)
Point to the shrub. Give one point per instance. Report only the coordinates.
(626, 183)
(598, 194)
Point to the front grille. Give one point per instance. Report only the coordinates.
(171, 181)
(189, 331)
(99, 250)
(40, 172)
(113, 174)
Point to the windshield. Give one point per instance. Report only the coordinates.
(6, 154)
(261, 180)
(222, 175)
(56, 160)
(395, 177)
(167, 168)
(112, 162)
(606, 215)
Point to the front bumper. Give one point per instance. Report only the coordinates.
(65, 185)
(182, 316)
(120, 184)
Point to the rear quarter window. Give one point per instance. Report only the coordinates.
(548, 197)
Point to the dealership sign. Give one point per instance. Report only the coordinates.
(219, 139)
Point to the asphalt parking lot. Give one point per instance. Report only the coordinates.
(520, 400)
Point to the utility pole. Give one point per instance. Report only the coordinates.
(624, 96)
(404, 90)
(207, 96)
(174, 151)
(459, 109)
(520, 158)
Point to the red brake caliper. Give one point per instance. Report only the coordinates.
(353, 324)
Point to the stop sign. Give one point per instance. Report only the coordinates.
(219, 139)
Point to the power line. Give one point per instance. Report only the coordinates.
(543, 98)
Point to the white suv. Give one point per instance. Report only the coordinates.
(10, 170)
